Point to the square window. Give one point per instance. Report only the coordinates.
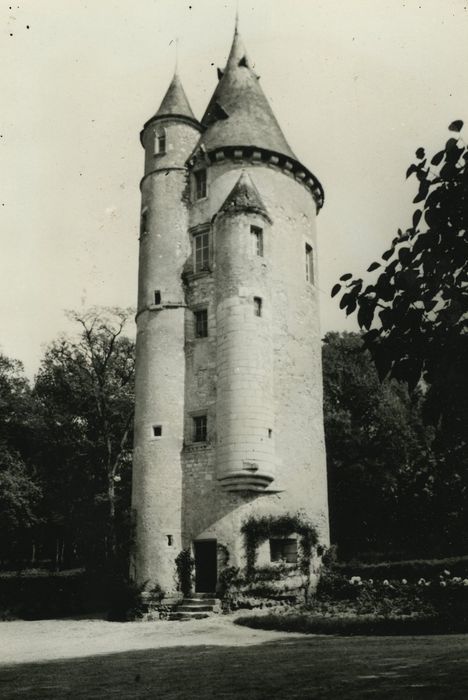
(199, 428)
(157, 430)
(200, 184)
(201, 323)
(257, 234)
(309, 261)
(201, 251)
(257, 306)
(284, 550)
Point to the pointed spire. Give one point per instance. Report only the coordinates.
(244, 197)
(249, 119)
(175, 102)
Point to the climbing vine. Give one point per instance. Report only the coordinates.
(185, 563)
(257, 530)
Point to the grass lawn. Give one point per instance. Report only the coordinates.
(286, 667)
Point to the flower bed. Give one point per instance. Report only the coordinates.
(363, 606)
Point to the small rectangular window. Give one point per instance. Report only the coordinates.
(257, 306)
(199, 428)
(157, 297)
(200, 184)
(257, 234)
(284, 550)
(160, 142)
(201, 323)
(309, 261)
(157, 430)
(201, 251)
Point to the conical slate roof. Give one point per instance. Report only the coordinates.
(175, 102)
(244, 196)
(238, 113)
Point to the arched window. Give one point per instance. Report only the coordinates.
(160, 142)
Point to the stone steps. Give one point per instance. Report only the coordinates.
(196, 607)
(188, 615)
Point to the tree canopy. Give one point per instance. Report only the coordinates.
(379, 457)
(85, 390)
(414, 309)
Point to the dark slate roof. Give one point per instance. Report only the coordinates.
(175, 102)
(238, 113)
(244, 196)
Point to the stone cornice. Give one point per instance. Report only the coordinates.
(253, 155)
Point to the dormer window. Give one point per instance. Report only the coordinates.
(200, 184)
(160, 142)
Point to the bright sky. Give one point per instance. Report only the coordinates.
(357, 86)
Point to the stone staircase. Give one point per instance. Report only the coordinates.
(197, 607)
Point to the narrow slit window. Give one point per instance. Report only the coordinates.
(257, 234)
(201, 323)
(199, 428)
(309, 261)
(157, 297)
(270, 432)
(201, 251)
(160, 143)
(200, 184)
(257, 306)
(170, 540)
(143, 223)
(157, 430)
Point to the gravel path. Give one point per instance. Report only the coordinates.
(43, 640)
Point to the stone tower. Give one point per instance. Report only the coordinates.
(228, 420)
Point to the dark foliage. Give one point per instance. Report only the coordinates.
(185, 564)
(414, 313)
(380, 462)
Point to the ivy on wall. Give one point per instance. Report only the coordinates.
(258, 530)
(185, 563)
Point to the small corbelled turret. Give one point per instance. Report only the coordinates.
(244, 197)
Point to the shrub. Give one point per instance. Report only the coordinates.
(185, 564)
(409, 569)
(351, 625)
(126, 601)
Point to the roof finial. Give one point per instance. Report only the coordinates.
(176, 67)
(236, 26)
